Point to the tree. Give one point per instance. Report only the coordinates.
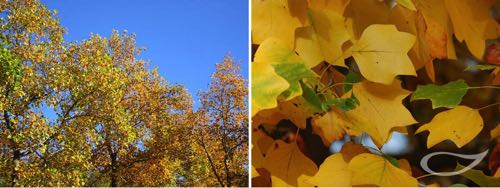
(124, 114)
(117, 122)
(30, 39)
(222, 124)
(327, 74)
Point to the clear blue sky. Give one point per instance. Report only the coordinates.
(183, 38)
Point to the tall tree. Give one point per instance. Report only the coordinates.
(223, 123)
(114, 121)
(127, 113)
(31, 39)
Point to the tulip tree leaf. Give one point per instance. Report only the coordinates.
(448, 95)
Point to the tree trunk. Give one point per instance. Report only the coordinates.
(15, 158)
(214, 170)
(228, 173)
(14, 176)
(114, 168)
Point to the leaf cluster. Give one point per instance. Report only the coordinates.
(335, 70)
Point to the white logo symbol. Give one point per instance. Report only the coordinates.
(477, 159)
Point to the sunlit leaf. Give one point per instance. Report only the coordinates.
(460, 125)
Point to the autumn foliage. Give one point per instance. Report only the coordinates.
(356, 74)
(117, 122)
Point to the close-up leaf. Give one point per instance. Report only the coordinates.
(479, 177)
(293, 73)
(381, 53)
(448, 95)
(384, 87)
(286, 162)
(268, 85)
(460, 125)
(370, 170)
(333, 172)
(480, 67)
(380, 110)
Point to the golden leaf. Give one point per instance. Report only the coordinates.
(370, 169)
(460, 125)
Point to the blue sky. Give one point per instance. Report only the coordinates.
(183, 38)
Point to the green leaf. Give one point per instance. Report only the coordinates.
(351, 78)
(10, 68)
(293, 73)
(392, 160)
(458, 185)
(407, 4)
(344, 104)
(480, 67)
(267, 85)
(448, 95)
(311, 98)
(479, 177)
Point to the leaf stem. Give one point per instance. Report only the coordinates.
(375, 149)
(324, 71)
(296, 135)
(490, 105)
(333, 85)
(484, 87)
(424, 176)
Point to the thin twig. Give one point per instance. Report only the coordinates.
(490, 105)
(484, 87)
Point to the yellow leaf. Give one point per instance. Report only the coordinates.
(405, 165)
(266, 87)
(431, 39)
(407, 4)
(323, 40)
(278, 182)
(338, 6)
(405, 21)
(302, 181)
(378, 14)
(495, 133)
(263, 180)
(333, 172)
(472, 22)
(330, 126)
(287, 163)
(380, 110)
(275, 51)
(370, 169)
(296, 111)
(460, 125)
(308, 47)
(435, 184)
(267, 117)
(437, 27)
(254, 172)
(276, 18)
(262, 141)
(257, 158)
(350, 150)
(381, 53)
